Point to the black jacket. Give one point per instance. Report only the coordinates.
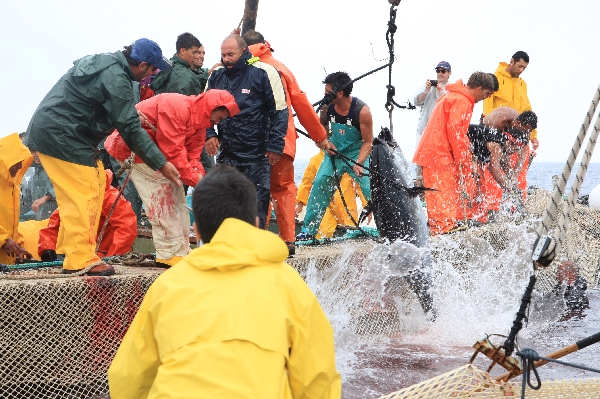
(262, 122)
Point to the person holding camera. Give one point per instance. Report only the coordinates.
(426, 98)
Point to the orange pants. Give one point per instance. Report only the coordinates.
(283, 193)
(486, 195)
(444, 206)
(523, 174)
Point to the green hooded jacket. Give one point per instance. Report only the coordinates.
(180, 79)
(92, 99)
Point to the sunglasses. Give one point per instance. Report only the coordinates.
(441, 70)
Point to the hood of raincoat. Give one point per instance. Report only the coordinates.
(260, 50)
(12, 151)
(459, 87)
(237, 244)
(501, 70)
(88, 66)
(207, 102)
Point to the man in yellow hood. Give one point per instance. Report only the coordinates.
(231, 320)
(512, 92)
(15, 158)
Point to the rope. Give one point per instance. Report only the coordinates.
(337, 179)
(528, 359)
(330, 96)
(552, 207)
(567, 209)
(27, 266)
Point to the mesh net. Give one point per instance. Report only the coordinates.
(470, 382)
(60, 333)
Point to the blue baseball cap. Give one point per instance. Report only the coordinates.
(146, 50)
(445, 65)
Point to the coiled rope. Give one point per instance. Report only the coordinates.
(528, 359)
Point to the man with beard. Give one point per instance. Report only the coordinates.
(283, 187)
(253, 140)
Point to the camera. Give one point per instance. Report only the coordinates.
(433, 83)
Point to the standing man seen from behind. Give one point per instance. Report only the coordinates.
(232, 320)
(283, 187)
(351, 135)
(85, 106)
(512, 92)
(444, 153)
(426, 98)
(253, 140)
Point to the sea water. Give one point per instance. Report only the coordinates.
(479, 296)
(540, 174)
(477, 291)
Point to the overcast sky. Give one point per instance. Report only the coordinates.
(41, 39)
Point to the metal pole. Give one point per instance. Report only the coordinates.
(250, 15)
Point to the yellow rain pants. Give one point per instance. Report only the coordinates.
(30, 230)
(79, 193)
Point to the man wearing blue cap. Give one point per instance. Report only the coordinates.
(426, 98)
(93, 98)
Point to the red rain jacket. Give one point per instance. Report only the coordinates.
(295, 98)
(120, 232)
(181, 123)
(445, 143)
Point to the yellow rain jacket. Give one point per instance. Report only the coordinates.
(12, 151)
(511, 93)
(231, 320)
(336, 212)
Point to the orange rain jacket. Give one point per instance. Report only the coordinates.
(120, 232)
(295, 98)
(12, 151)
(181, 123)
(445, 143)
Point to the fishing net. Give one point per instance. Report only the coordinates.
(470, 382)
(60, 333)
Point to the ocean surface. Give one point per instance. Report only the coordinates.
(540, 174)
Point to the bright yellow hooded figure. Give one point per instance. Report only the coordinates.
(12, 151)
(231, 320)
(336, 213)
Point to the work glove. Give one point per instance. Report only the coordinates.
(49, 255)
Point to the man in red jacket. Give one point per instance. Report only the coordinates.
(118, 237)
(177, 124)
(283, 187)
(444, 153)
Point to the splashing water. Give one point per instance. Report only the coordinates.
(385, 343)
